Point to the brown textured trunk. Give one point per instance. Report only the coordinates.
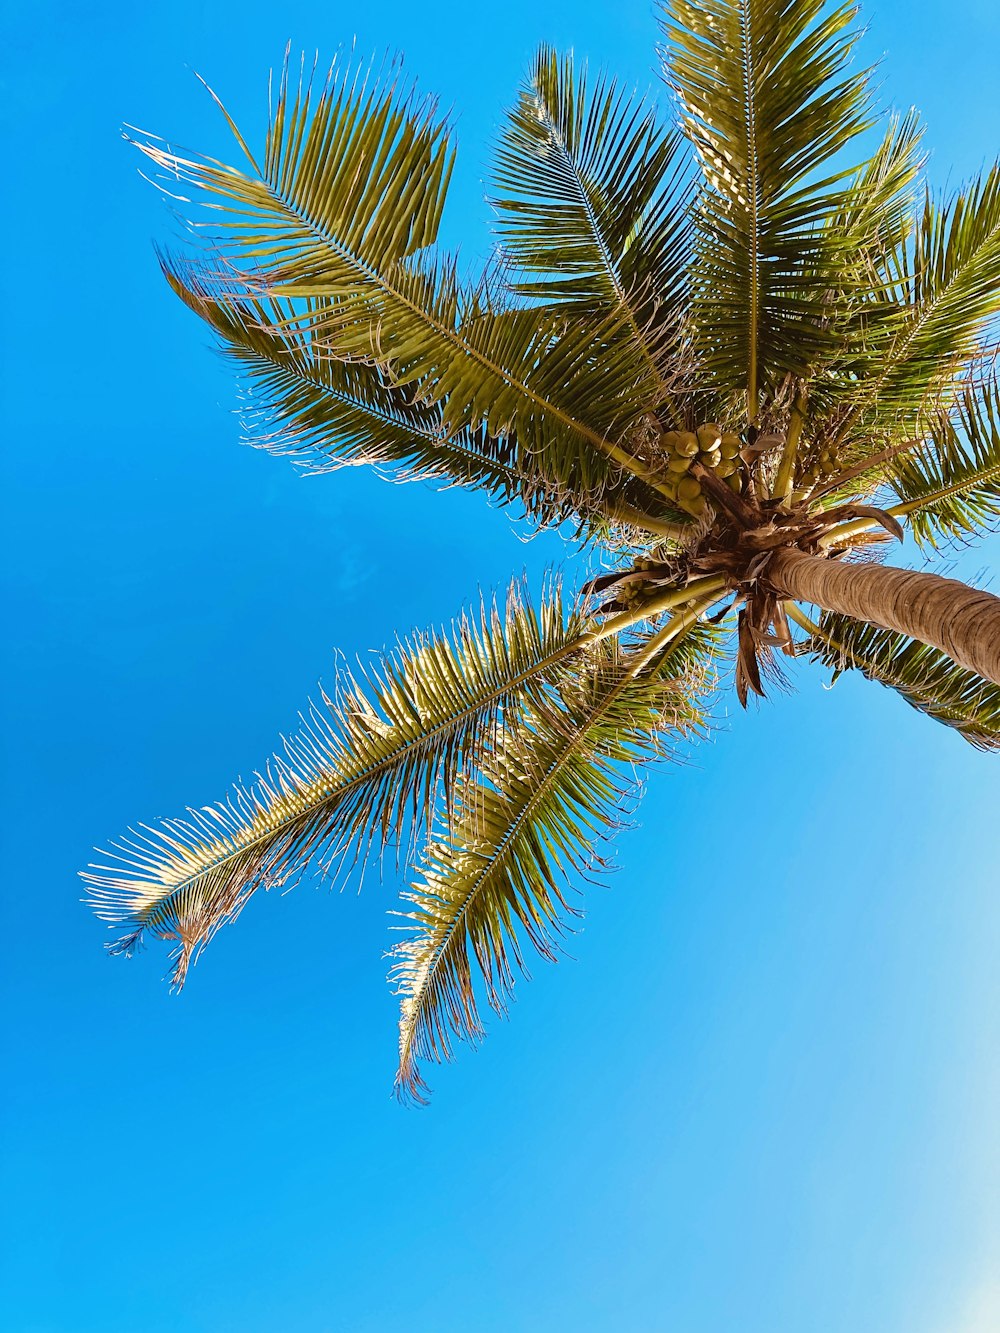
(962, 621)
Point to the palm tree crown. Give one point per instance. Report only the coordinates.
(736, 355)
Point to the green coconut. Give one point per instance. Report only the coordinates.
(730, 445)
(695, 507)
(668, 441)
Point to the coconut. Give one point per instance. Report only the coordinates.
(695, 507)
(709, 436)
(730, 445)
(668, 441)
(688, 488)
(678, 463)
(687, 443)
(711, 458)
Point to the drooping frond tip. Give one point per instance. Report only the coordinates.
(494, 877)
(369, 764)
(327, 413)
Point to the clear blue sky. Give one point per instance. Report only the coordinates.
(764, 1095)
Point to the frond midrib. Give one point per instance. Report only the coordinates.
(753, 172)
(389, 418)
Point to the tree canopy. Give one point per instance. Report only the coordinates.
(736, 348)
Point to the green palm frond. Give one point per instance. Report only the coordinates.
(565, 390)
(768, 103)
(876, 218)
(327, 413)
(950, 486)
(954, 293)
(544, 801)
(369, 764)
(595, 205)
(948, 287)
(556, 373)
(871, 230)
(926, 678)
(906, 391)
(351, 191)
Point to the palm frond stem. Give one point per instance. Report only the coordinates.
(794, 612)
(945, 492)
(786, 468)
(853, 528)
(753, 196)
(859, 525)
(619, 509)
(712, 586)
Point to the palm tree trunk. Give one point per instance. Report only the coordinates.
(963, 622)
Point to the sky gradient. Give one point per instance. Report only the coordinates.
(763, 1094)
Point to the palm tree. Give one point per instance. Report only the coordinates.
(735, 359)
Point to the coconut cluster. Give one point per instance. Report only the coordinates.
(710, 445)
(824, 465)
